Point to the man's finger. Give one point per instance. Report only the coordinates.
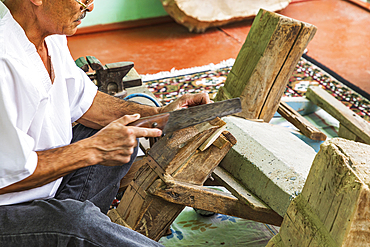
(125, 120)
(198, 99)
(146, 132)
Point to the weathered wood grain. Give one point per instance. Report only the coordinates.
(264, 64)
(175, 156)
(214, 201)
(333, 208)
(307, 128)
(350, 120)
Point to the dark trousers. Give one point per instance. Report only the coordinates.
(76, 216)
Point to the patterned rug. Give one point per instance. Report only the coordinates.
(166, 86)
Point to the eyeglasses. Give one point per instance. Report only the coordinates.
(86, 5)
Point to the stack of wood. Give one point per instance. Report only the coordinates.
(197, 16)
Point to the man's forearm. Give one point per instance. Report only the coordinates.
(106, 109)
(111, 146)
(55, 163)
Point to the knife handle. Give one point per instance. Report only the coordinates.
(155, 121)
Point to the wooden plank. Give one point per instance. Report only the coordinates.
(303, 228)
(345, 133)
(212, 138)
(350, 120)
(238, 190)
(208, 161)
(307, 128)
(264, 64)
(115, 217)
(157, 217)
(212, 200)
(127, 179)
(306, 34)
(174, 153)
(179, 144)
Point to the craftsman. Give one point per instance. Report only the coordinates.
(54, 192)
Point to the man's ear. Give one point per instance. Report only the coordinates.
(36, 2)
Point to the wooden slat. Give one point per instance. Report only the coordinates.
(212, 200)
(307, 128)
(208, 161)
(343, 114)
(231, 184)
(180, 144)
(347, 134)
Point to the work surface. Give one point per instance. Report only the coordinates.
(192, 228)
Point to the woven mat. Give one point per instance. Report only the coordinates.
(166, 86)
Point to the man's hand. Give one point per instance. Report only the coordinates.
(187, 100)
(115, 143)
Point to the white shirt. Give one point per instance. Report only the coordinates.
(35, 114)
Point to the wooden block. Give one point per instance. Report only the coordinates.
(333, 208)
(347, 118)
(264, 64)
(300, 122)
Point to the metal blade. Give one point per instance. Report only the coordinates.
(197, 114)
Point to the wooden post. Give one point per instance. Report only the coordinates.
(334, 206)
(264, 64)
